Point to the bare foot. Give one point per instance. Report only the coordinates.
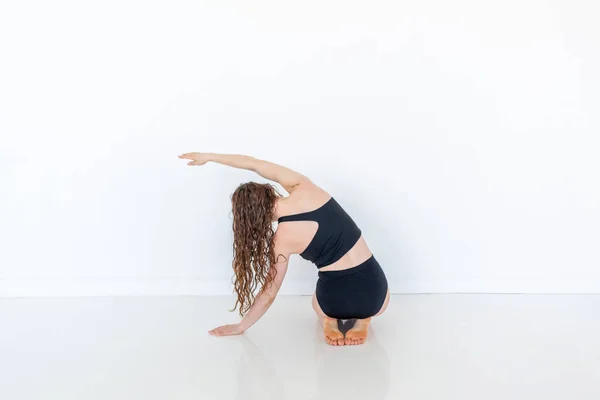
(358, 333)
(333, 336)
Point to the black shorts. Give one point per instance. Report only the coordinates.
(357, 292)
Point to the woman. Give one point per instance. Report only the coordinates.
(351, 285)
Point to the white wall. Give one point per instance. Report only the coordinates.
(462, 136)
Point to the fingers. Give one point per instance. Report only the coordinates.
(188, 156)
(196, 158)
(220, 331)
(192, 157)
(225, 330)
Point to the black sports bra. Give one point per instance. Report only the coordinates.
(336, 234)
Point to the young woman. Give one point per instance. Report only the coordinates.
(351, 285)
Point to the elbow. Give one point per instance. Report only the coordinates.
(271, 300)
(252, 163)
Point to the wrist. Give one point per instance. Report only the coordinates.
(211, 156)
(242, 327)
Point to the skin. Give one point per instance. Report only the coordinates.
(291, 238)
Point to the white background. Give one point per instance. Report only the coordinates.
(462, 137)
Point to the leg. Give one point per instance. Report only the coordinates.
(385, 304)
(315, 304)
(333, 336)
(358, 333)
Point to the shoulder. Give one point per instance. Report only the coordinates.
(304, 197)
(303, 186)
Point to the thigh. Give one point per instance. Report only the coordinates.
(315, 304)
(385, 303)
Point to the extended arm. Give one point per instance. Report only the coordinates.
(286, 177)
(262, 302)
(266, 297)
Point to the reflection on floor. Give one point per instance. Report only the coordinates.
(424, 347)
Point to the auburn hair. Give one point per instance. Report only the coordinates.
(253, 206)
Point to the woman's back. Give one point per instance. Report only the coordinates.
(340, 241)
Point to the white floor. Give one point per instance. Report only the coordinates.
(425, 347)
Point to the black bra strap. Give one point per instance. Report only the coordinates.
(307, 216)
(296, 217)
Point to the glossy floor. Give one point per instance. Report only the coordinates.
(424, 347)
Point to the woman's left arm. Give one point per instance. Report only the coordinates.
(286, 177)
(263, 301)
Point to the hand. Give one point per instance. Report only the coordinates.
(197, 158)
(227, 330)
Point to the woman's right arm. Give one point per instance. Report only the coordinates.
(265, 298)
(286, 177)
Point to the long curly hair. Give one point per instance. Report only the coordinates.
(253, 206)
